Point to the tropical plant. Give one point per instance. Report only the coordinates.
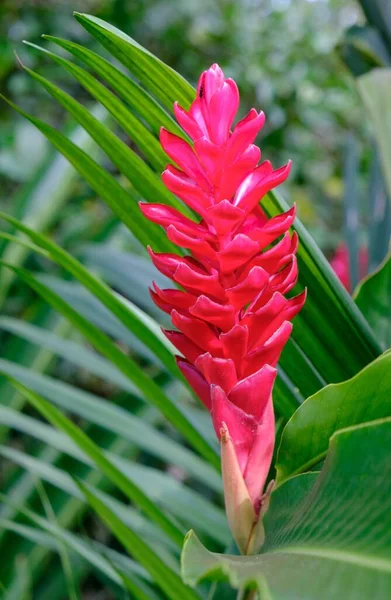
(137, 450)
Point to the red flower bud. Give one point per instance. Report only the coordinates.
(231, 315)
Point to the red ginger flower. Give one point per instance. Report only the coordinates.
(231, 317)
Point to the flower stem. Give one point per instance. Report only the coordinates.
(247, 595)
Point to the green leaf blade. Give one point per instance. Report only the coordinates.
(132, 491)
(331, 538)
(364, 398)
(373, 297)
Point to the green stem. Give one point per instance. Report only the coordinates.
(240, 595)
(247, 595)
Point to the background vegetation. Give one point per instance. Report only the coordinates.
(280, 52)
(95, 352)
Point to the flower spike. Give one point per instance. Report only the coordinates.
(231, 317)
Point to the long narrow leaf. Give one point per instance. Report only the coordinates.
(126, 365)
(132, 491)
(144, 180)
(135, 129)
(112, 418)
(41, 199)
(46, 534)
(120, 201)
(163, 81)
(169, 581)
(168, 494)
(61, 480)
(133, 94)
(103, 292)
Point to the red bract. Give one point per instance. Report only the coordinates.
(231, 317)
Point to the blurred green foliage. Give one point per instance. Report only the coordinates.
(281, 52)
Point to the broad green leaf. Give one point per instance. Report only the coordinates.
(167, 580)
(375, 90)
(327, 535)
(125, 364)
(366, 397)
(130, 489)
(373, 297)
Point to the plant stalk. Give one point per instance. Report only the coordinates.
(247, 595)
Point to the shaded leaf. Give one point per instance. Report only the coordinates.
(327, 535)
(365, 397)
(169, 581)
(375, 90)
(131, 490)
